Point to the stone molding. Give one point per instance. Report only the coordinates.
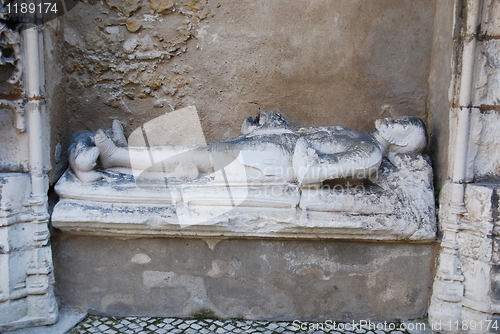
(397, 206)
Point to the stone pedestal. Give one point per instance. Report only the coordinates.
(26, 275)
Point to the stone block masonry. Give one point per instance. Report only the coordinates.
(250, 279)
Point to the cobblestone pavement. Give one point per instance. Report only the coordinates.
(143, 325)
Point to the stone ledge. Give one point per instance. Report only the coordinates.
(397, 206)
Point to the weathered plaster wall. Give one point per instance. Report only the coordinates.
(254, 279)
(440, 81)
(320, 62)
(56, 91)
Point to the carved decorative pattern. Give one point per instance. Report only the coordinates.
(11, 40)
(25, 256)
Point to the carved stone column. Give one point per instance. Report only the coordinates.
(26, 275)
(448, 288)
(465, 291)
(479, 253)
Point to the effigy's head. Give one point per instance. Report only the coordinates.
(84, 158)
(82, 153)
(405, 134)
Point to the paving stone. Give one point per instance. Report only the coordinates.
(183, 326)
(177, 322)
(272, 326)
(196, 326)
(229, 327)
(147, 325)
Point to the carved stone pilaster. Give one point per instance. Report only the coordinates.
(448, 288)
(26, 275)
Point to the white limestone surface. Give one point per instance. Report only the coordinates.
(396, 204)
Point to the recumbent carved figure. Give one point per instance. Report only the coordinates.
(269, 145)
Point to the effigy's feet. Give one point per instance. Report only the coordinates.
(306, 163)
(106, 148)
(117, 134)
(186, 171)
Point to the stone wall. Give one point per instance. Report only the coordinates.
(320, 63)
(465, 288)
(485, 137)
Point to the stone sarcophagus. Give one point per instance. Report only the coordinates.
(274, 181)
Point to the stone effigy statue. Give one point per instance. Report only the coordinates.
(276, 180)
(306, 155)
